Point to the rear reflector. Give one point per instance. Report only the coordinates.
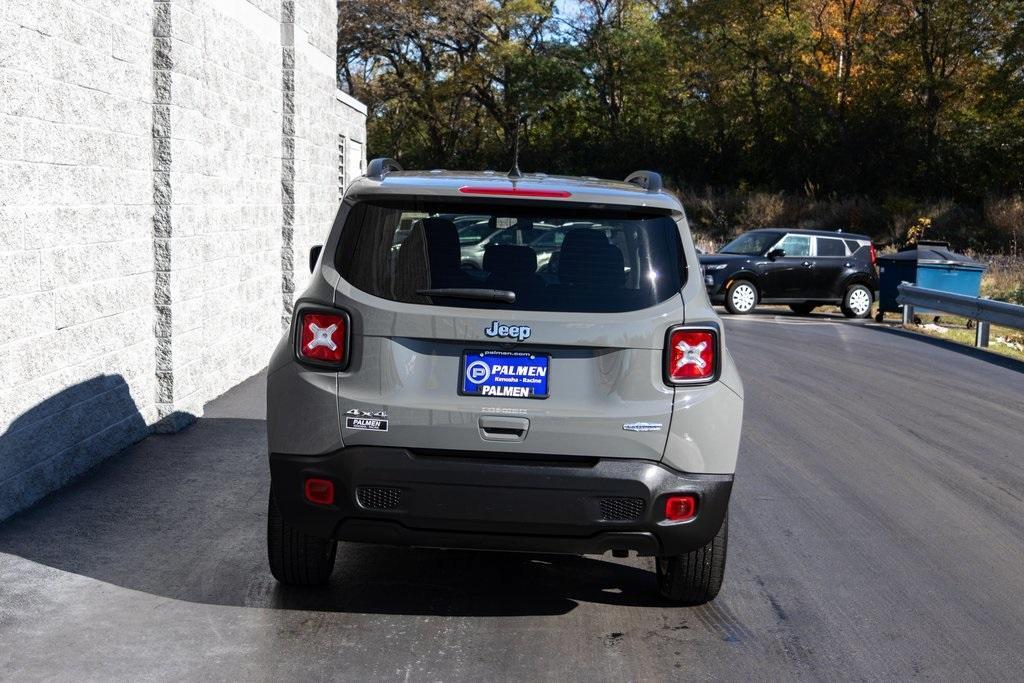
(680, 508)
(322, 337)
(691, 355)
(320, 491)
(515, 192)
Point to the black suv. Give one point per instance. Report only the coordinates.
(802, 268)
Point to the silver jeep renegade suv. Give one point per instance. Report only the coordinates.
(584, 405)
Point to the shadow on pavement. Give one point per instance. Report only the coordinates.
(183, 516)
(386, 580)
(783, 312)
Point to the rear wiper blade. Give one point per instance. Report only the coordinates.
(502, 295)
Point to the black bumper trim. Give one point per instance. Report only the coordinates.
(498, 504)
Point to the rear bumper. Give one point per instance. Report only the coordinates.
(480, 501)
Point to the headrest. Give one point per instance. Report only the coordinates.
(428, 257)
(508, 259)
(442, 242)
(586, 257)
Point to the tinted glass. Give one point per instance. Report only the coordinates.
(796, 245)
(552, 259)
(831, 247)
(474, 232)
(550, 238)
(751, 244)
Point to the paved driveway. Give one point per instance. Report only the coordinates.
(877, 532)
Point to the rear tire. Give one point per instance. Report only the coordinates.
(802, 309)
(857, 302)
(296, 558)
(696, 577)
(741, 297)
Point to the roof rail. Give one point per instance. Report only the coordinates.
(381, 166)
(649, 180)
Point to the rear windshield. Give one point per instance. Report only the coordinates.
(516, 257)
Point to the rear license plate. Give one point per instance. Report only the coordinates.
(504, 374)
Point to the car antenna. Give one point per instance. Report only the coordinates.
(515, 173)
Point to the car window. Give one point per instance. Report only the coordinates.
(751, 244)
(464, 221)
(852, 245)
(475, 232)
(828, 246)
(795, 245)
(550, 238)
(506, 236)
(616, 260)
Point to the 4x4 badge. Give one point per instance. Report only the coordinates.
(376, 421)
(366, 413)
(642, 426)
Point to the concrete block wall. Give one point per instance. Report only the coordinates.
(164, 167)
(309, 100)
(77, 352)
(220, 244)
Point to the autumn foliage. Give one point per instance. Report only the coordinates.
(883, 103)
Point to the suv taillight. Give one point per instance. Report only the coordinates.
(322, 337)
(874, 255)
(691, 355)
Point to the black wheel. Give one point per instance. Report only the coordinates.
(802, 309)
(879, 317)
(741, 297)
(696, 577)
(296, 558)
(857, 302)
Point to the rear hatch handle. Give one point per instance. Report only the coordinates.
(507, 429)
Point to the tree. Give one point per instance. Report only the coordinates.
(867, 97)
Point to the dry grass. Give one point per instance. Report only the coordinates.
(995, 225)
(1006, 214)
(1004, 279)
(720, 216)
(995, 234)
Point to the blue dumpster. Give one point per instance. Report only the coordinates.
(931, 265)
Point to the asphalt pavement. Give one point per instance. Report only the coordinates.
(877, 532)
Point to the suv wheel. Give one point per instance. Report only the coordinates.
(741, 297)
(802, 309)
(297, 558)
(857, 302)
(696, 577)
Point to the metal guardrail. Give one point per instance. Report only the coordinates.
(984, 311)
